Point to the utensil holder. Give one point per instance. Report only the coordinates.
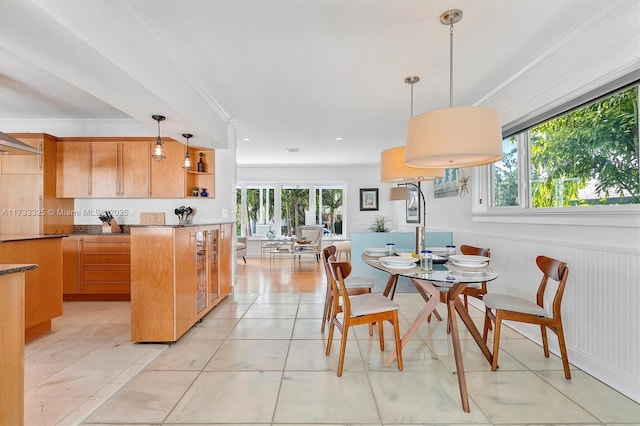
(112, 228)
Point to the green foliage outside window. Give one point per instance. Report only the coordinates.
(330, 209)
(588, 156)
(595, 146)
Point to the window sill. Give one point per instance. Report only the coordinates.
(602, 216)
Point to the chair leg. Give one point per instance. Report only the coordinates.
(332, 327)
(545, 341)
(326, 313)
(381, 334)
(563, 351)
(487, 325)
(496, 342)
(396, 332)
(343, 348)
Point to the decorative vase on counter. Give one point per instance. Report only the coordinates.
(204, 193)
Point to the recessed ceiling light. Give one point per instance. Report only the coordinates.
(338, 139)
(293, 149)
(246, 139)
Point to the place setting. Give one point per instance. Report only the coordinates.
(461, 266)
(398, 262)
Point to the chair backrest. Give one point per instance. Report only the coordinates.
(309, 233)
(557, 271)
(327, 253)
(475, 251)
(339, 271)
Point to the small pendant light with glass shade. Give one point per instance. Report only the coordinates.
(187, 164)
(158, 150)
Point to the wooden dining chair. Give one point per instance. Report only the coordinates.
(355, 285)
(477, 291)
(474, 291)
(499, 307)
(359, 309)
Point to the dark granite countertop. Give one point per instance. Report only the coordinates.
(97, 230)
(12, 268)
(179, 225)
(9, 238)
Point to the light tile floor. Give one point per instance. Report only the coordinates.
(259, 359)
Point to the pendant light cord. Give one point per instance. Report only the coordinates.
(451, 66)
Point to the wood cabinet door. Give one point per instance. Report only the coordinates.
(168, 177)
(70, 265)
(104, 169)
(22, 207)
(27, 163)
(185, 279)
(135, 158)
(72, 170)
(225, 259)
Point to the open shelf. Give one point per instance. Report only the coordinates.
(204, 179)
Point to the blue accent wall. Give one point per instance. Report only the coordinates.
(404, 241)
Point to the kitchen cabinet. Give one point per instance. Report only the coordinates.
(227, 258)
(43, 286)
(103, 168)
(201, 179)
(97, 267)
(26, 163)
(73, 167)
(12, 286)
(168, 176)
(28, 196)
(123, 168)
(176, 278)
(120, 169)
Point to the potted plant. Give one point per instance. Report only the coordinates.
(380, 225)
(195, 190)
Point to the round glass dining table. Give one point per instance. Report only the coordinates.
(449, 279)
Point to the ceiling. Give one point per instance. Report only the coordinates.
(323, 76)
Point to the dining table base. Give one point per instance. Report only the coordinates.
(431, 295)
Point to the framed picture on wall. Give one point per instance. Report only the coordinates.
(446, 186)
(413, 204)
(368, 199)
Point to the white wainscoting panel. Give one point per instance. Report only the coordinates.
(601, 305)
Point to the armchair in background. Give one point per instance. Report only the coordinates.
(241, 248)
(312, 234)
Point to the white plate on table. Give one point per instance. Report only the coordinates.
(376, 252)
(398, 265)
(468, 259)
(398, 260)
(469, 265)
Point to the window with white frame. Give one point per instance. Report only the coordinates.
(584, 156)
(281, 208)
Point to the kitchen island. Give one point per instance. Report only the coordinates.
(12, 303)
(43, 286)
(178, 274)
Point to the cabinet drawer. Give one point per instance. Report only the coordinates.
(100, 247)
(105, 259)
(106, 276)
(106, 288)
(106, 269)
